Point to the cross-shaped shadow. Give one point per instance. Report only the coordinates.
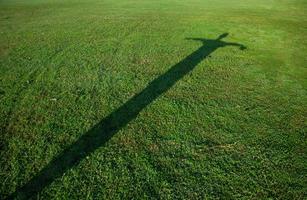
(98, 135)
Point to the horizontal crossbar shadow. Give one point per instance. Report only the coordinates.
(104, 130)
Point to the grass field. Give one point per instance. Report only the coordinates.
(158, 99)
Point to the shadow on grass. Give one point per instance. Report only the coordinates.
(104, 130)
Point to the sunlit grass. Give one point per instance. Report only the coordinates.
(233, 127)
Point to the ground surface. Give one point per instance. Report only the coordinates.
(233, 127)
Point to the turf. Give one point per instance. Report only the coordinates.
(139, 99)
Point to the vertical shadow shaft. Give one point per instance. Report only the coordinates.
(104, 130)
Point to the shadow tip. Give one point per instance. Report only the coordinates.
(223, 36)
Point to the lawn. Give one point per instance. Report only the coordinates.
(153, 99)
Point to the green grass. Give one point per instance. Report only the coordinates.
(233, 127)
